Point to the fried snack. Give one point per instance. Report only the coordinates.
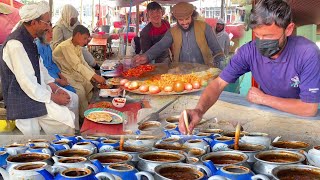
(99, 117)
(104, 86)
(102, 104)
(114, 81)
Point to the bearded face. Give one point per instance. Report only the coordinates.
(219, 27)
(186, 23)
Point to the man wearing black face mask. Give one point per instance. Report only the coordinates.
(190, 40)
(286, 67)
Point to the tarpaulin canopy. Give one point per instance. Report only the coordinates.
(305, 11)
(15, 3)
(125, 10)
(172, 1)
(126, 3)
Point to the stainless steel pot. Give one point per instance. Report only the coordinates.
(149, 160)
(73, 153)
(116, 157)
(290, 145)
(268, 160)
(296, 172)
(249, 149)
(224, 158)
(27, 157)
(169, 147)
(134, 151)
(180, 171)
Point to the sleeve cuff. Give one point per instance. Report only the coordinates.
(227, 77)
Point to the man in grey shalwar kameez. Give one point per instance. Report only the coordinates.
(191, 41)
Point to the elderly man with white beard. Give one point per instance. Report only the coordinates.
(31, 97)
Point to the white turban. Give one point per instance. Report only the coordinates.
(32, 11)
(68, 12)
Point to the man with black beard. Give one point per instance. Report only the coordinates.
(191, 41)
(222, 36)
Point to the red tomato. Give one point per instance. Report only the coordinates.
(127, 84)
(144, 88)
(154, 89)
(168, 88)
(178, 87)
(188, 86)
(133, 85)
(123, 81)
(195, 85)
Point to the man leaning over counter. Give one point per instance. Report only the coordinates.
(192, 41)
(286, 67)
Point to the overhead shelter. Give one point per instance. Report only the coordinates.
(305, 12)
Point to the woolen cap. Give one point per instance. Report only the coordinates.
(182, 10)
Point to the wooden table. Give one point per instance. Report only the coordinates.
(103, 42)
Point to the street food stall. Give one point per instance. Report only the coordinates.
(128, 134)
(131, 131)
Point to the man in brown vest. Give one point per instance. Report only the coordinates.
(191, 41)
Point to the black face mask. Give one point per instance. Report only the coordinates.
(268, 47)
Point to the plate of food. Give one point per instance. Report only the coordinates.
(169, 83)
(109, 66)
(104, 86)
(116, 92)
(105, 116)
(115, 81)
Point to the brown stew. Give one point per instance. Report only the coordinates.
(28, 158)
(290, 145)
(180, 173)
(279, 158)
(76, 153)
(298, 174)
(161, 157)
(169, 147)
(131, 149)
(225, 159)
(112, 158)
(30, 166)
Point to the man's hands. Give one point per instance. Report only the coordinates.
(256, 96)
(139, 59)
(194, 116)
(60, 97)
(99, 79)
(62, 81)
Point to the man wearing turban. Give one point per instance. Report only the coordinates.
(191, 40)
(31, 97)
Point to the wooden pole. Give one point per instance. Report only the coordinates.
(222, 9)
(137, 19)
(93, 9)
(128, 26)
(81, 7)
(51, 8)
